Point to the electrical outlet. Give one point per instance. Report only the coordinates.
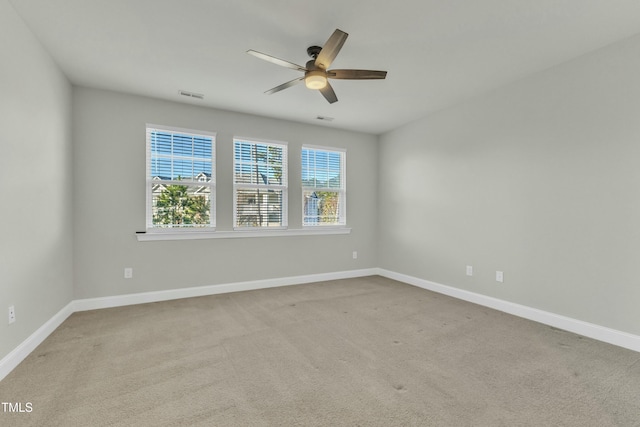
(128, 273)
(12, 314)
(469, 270)
(499, 276)
(355, 254)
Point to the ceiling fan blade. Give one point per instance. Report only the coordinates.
(329, 94)
(356, 74)
(330, 49)
(285, 85)
(275, 60)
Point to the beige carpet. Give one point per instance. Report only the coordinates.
(360, 352)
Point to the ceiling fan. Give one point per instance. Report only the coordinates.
(316, 70)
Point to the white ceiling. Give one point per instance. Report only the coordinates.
(436, 52)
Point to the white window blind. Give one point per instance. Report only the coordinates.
(180, 178)
(323, 186)
(259, 184)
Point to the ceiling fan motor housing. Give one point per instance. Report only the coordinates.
(313, 51)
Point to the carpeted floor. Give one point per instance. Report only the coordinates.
(358, 352)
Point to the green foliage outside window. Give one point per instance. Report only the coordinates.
(176, 207)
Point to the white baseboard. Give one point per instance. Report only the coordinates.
(13, 359)
(146, 297)
(600, 333)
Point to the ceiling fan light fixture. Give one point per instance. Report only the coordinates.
(315, 79)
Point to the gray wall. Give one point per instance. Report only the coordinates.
(35, 171)
(539, 179)
(109, 165)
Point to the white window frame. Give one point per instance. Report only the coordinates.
(284, 187)
(342, 191)
(150, 227)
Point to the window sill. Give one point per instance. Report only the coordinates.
(151, 236)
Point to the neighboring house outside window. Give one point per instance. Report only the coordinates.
(180, 179)
(259, 184)
(323, 186)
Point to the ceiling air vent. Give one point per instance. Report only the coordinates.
(191, 94)
(325, 118)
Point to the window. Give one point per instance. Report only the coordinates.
(180, 179)
(259, 184)
(323, 186)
